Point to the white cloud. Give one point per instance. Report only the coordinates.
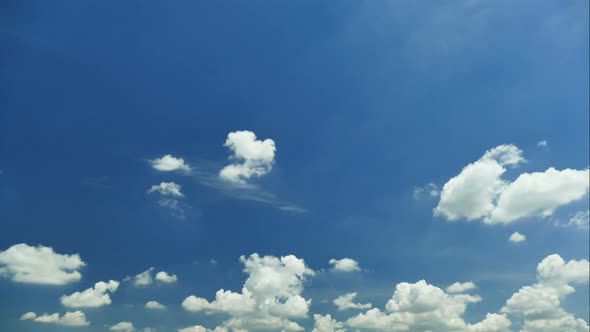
(39, 265)
(542, 144)
(540, 193)
(174, 206)
(76, 318)
(429, 190)
(326, 324)
(516, 237)
(167, 189)
(461, 287)
(91, 297)
(199, 328)
(144, 278)
(581, 219)
(254, 157)
(169, 163)
(345, 265)
(540, 303)
(423, 307)
(165, 277)
(155, 305)
(123, 327)
(269, 298)
(479, 193)
(346, 301)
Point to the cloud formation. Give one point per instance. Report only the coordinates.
(269, 298)
(123, 327)
(461, 287)
(429, 190)
(581, 219)
(253, 157)
(346, 301)
(39, 265)
(167, 189)
(92, 297)
(169, 163)
(479, 193)
(76, 318)
(516, 237)
(155, 305)
(345, 265)
(165, 277)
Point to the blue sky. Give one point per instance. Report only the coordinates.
(366, 108)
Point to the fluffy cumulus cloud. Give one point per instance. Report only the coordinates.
(270, 297)
(345, 265)
(76, 318)
(39, 265)
(123, 327)
(516, 237)
(423, 307)
(92, 297)
(199, 328)
(253, 158)
(167, 189)
(479, 193)
(346, 301)
(155, 305)
(166, 278)
(461, 287)
(326, 324)
(169, 163)
(540, 304)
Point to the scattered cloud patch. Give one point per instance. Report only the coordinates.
(155, 305)
(516, 237)
(92, 297)
(270, 297)
(169, 163)
(326, 324)
(346, 301)
(123, 327)
(39, 265)
(76, 318)
(543, 144)
(167, 189)
(429, 190)
(144, 278)
(292, 208)
(174, 206)
(580, 219)
(345, 265)
(165, 277)
(253, 157)
(461, 287)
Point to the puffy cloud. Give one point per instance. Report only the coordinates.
(123, 327)
(346, 301)
(92, 297)
(345, 265)
(540, 303)
(479, 193)
(540, 193)
(144, 278)
(429, 190)
(155, 305)
(516, 237)
(326, 324)
(460, 287)
(471, 194)
(581, 219)
(199, 328)
(269, 298)
(254, 157)
(76, 318)
(542, 144)
(423, 307)
(169, 163)
(39, 265)
(167, 189)
(165, 277)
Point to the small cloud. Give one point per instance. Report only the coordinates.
(144, 278)
(429, 190)
(123, 327)
(174, 206)
(167, 189)
(543, 144)
(169, 163)
(516, 237)
(155, 305)
(97, 296)
(346, 301)
(580, 219)
(345, 265)
(254, 157)
(165, 277)
(76, 318)
(460, 287)
(212, 261)
(292, 208)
